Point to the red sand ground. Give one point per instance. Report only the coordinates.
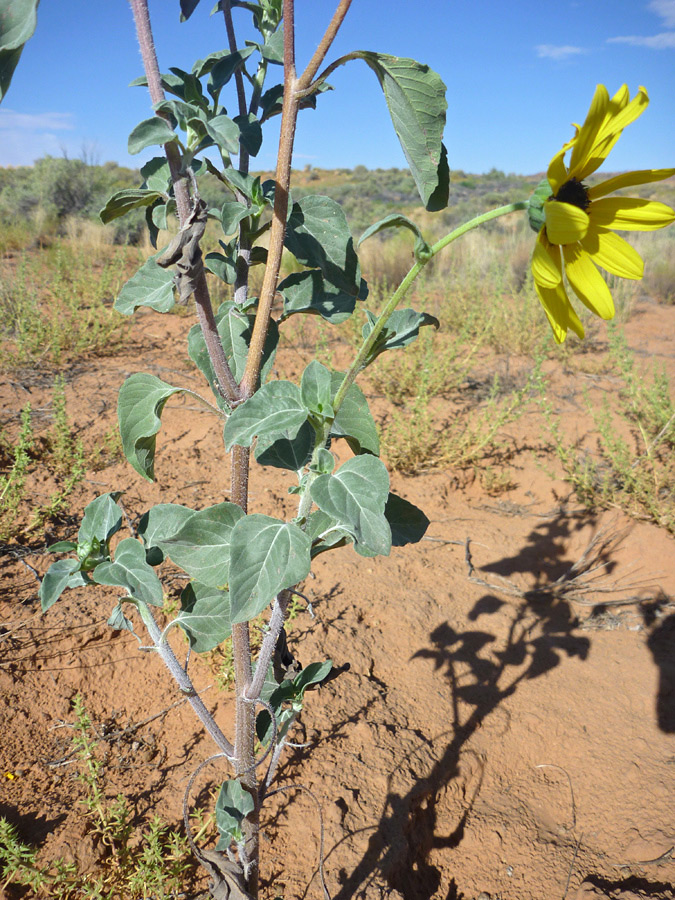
(492, 740)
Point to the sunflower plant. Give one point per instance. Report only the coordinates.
(239, 562)
(577, 224)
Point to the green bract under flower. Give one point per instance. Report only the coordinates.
(577, 223)
(535, 209)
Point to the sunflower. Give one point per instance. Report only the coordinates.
(575, 221)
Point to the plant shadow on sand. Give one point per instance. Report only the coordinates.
(480, 672)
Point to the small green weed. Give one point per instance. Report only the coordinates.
(155, 866)
(411, 443)
(13, 483)
(52, 305)
(58, 452)
(633, 466)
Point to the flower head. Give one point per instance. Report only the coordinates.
(577, 223)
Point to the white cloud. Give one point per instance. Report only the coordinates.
(663, 41)
(550, 51)
(664, 9)
(50, 121)
(27, 137)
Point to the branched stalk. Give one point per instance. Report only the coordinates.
(361, 358)
(183, 680)
(207, 322)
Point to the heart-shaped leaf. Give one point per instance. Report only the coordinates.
(130, 570)
(266, 556)
(355, 496)
(201, 546)
(140, 404)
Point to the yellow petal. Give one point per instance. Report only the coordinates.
(613, 253)
(628, 179)
(587, 283)
(574, 322)
(629, 214)
(619, 114)
(622, 113)
(556, 306)
(546, 264)
(589, 130)
(565, 223)
(557, 172)
(619, 100)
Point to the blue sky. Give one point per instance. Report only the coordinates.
(518, 74)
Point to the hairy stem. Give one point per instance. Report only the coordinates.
(324, 45)
(226, 381)
(183, 680)
(244, 253)
(289, 115)
(279, 609)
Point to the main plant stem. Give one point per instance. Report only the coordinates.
(226, 382)
(246, 691)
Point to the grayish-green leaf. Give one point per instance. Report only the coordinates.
(62, 547)
(139, 407)
(225, 132)
(157, 175)
(316, 389)
(273, 48)
(324, 462)
(354, 421)
(102, 519)
(158, 524)
(56, 581)
(123, 202)
(233, 805)
(130, 571)
(150, 132)
(407, 522)
(231, 214)
(241, 181)
(187, 7)
(266, 556)
(286, 453)
(17, 24)
(401, 329)
(251, 136)
(415, 95)
(223, 68)
(223, 267)
(396, 220)
(204, 616)
(276, 409)
(201, 545)
(309, 292)
(290, 692)
(151, 286)
(355, 496)
(318, 235)
(118, 620)
(326, 533)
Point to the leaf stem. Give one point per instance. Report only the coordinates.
(362, 356)
(361, 359)
(183, 680)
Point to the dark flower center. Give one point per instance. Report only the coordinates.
(575, 193)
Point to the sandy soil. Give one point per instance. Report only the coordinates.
(499, 735)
